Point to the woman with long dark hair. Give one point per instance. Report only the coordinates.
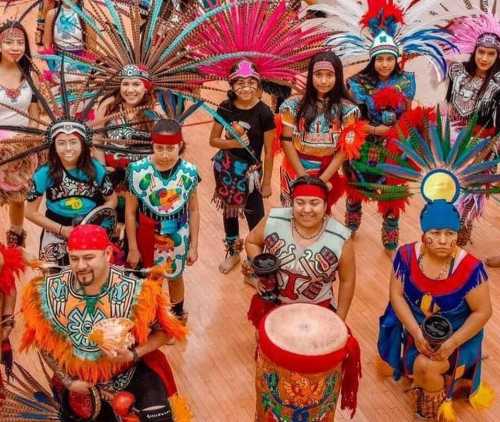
(16, 93)
(474, 91)
(73, 184)
(313, 125)
(384, 92)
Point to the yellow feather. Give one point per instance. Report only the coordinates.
(446, 413)
(482, 398)
(180, 408)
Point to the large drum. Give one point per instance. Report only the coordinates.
(300, 364)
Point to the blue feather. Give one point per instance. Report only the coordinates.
(462, 137)
(422, 143)
(482, 179)
(153, 18)
(415, 156)
(436, 143)
(117, 23)
(470, 153)
(398, 171)
(480, 167)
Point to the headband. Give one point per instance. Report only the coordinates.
(68, 127)
(384, 44)
(88, 237)
(11, 32)
(166, 139)
(323, 65)
(134, 71)
(488, 40)
(244, 69)
(310, 190)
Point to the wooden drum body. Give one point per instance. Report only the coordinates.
(299, 364)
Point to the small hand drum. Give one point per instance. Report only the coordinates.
(437, 329)
(102, 216)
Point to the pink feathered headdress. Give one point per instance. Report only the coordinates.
(483, 30)
(266, 33)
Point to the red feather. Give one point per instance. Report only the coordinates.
(396, 206)
(388, 97)
(415, 118)
(383, 10)
(278, 122)
(12, 266)
(352, 139)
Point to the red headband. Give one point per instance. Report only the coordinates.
(163, 139)
(88, 237)
(309, 190)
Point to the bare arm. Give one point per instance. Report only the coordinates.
(194, 227)
(131, 204)
(347, 279)
(48, 31)
(254, 243)
(99, 122)
(268, 162)
(156, 340)
(35, 216)
(333, 167)
(217, 142)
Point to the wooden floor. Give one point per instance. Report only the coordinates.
(215, 367)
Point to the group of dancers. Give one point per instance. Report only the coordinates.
(91, 127)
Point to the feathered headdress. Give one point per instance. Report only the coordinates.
(405, 28)
(267, 34)
(64, 117)
(158, 51)
(440, 168)
(470, 32)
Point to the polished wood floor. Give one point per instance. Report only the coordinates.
(215, 367)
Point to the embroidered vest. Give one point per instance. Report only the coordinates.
(306, 274)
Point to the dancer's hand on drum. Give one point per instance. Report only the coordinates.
(133, 258)
(422, 345)
(192, 256)
(445, 350)
(246, 268)
(81, 387)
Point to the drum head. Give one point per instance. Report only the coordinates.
(102, 216)
(306, 329)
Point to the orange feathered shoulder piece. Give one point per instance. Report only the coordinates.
(151, 306)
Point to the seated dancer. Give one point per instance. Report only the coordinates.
(436, 278)
(163, 187)
(385, 34)
(312, 248)
(67, 316)
(474, 96)
(274, 58)
(73, 184)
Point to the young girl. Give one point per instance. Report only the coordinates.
(383, 91)
(312, 127)
(73, 185)
(16, 92)
(163, 193)
(237, 162)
